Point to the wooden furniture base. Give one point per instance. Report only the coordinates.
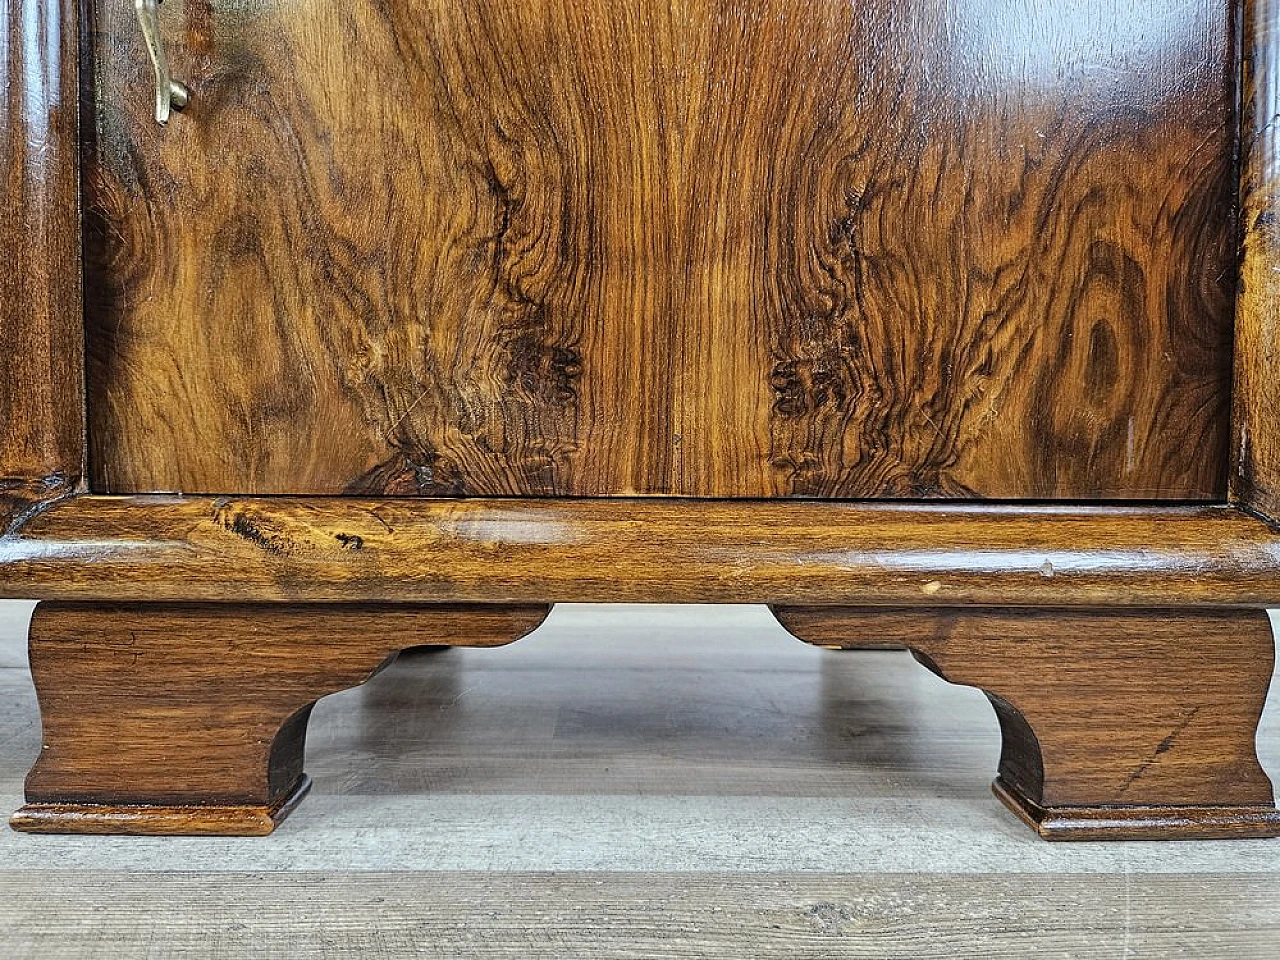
(174, 718)
(1116, 724)
(192, 719)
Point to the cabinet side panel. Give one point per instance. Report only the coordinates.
(1255, 477)
(41, 327)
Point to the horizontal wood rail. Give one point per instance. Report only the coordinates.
(171, 548)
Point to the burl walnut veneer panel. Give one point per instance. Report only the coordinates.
(902, 248)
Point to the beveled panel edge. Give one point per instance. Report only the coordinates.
(331, 550)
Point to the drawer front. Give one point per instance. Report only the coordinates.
(713, 248)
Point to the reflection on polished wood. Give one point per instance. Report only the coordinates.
(644, 550)
(736, 248)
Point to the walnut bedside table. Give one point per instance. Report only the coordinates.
(337, 327)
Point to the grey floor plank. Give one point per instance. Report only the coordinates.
(604, 916)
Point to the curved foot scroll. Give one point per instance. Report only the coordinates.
(192, 719)
(1117, 724)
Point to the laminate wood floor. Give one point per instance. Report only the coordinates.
(633, 782)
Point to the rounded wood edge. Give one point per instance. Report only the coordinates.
(156, 821)
(1254, 474)
(1142, 823)
(521, 551)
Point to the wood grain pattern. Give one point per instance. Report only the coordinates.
(643, 550)
(688, 247)
(181, 706)
(1255, 474)
(601, 915)
(1117, 724)
(41, 328)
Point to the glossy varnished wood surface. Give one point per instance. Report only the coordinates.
(41, 326)
(1255, 477)
(642, 550)
(710, 248)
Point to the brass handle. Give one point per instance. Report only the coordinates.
(170, 93)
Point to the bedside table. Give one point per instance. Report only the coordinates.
(336, 327)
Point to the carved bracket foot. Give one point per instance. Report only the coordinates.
(1117, 724)
(192, 719)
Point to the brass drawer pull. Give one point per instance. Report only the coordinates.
(170, 93)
